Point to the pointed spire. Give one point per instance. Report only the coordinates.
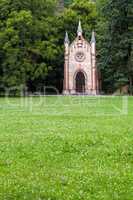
(93, 37)
(79, 31)
(66, 38)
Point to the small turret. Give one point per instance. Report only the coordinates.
(79, 31)
(93, 43)
(66, 41)
(66, 63)
(93, 40)
(93, 61)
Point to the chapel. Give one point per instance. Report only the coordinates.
(80, 70)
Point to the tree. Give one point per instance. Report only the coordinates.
(116, 46)
(26, 42)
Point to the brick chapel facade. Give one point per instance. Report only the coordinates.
(80, 71)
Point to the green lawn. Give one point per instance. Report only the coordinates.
(66, 148)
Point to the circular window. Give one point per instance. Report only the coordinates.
(80, 56)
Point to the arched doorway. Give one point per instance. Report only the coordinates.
(80, 82)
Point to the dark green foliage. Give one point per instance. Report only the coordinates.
(26, 41)
(115, 46)
(67, 2)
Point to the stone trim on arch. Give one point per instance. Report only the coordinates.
(74, 79)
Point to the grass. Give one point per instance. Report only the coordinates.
(66, 148)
